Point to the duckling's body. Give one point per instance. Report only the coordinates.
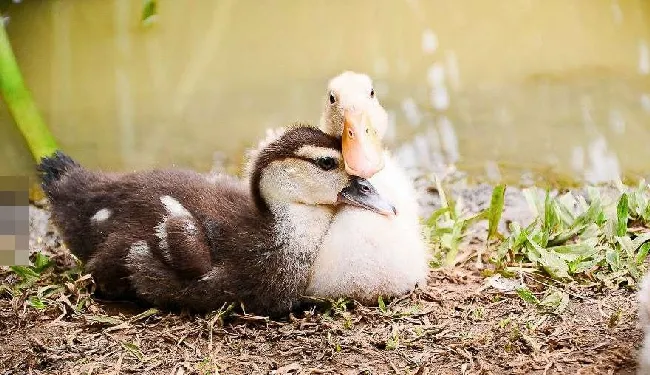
(101, 216)
(365, 255)
(174, 238)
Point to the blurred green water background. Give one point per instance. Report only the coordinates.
(499, 88)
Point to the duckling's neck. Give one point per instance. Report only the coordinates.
(301, 227)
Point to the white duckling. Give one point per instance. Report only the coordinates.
(366, 255)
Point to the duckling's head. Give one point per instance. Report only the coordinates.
(352, 111)
(305, 167)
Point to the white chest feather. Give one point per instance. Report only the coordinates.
(302, 227)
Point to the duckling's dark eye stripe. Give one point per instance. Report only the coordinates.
(286, 147)
(310, 160)
(318, 162)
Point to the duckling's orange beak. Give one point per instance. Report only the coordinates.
(362, 148)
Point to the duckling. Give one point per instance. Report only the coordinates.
(365, 255)
(644, 318)
(175, 238)
(352, 111)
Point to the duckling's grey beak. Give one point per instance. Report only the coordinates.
(362, 148)
(362, 194)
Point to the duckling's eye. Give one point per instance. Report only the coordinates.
(327, 164)
(372, 93)
(332, 98)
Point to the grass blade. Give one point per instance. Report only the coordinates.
(622, 213)
(36, 303)
(495, 211)
(556, 302)
(26, 273)
(431, 221)
(643, 253)
(382, 304)
(145, 314)
(41, 262)
(550, 217)
(452, 242)
(525, 294)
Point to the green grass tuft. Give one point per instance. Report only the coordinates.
(40, 287)
(447, 226)
(602, 239)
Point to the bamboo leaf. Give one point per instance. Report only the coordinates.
(149, 12)
(20, 103)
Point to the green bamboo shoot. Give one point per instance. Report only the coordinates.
(20, 103)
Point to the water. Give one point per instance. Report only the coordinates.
(500, 89)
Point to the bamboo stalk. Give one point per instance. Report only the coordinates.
(20, 103)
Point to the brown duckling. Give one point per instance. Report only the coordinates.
(177, 239)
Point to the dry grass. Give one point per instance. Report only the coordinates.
(457, 324)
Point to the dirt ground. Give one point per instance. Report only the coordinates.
(456, 324)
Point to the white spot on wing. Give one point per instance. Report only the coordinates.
(174, 207)
(139, 248)
(161, 233)
(101, 215)
(190, 228)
